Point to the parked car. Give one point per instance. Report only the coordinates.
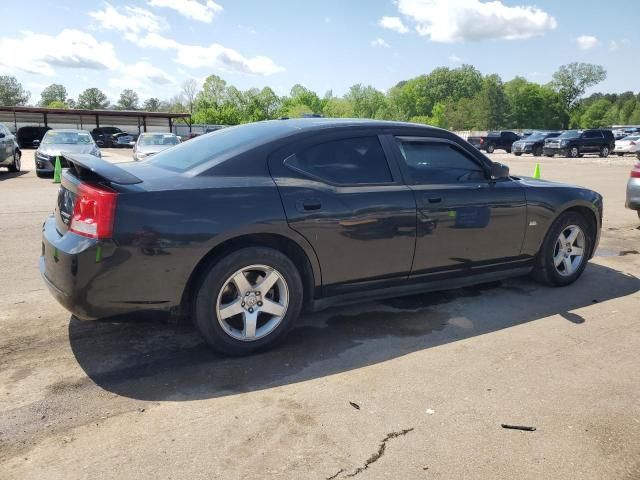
(494, 141)
(628, 144)
(60, 143)
(30, 137)
(123, 140)
(533, 143)
(244, 227)
(151, 143)
(633, 189)
(10, 154)
(575, 143)
(112, 137)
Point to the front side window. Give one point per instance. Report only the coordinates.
(438, 163)
(348, 161)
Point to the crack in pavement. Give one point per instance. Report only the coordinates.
(376, 456)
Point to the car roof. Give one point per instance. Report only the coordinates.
(294, 125)
(68, 130)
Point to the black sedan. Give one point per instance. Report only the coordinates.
(242, 228)
(532, 143)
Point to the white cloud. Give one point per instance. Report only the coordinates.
(393, 23)
(141, 76)
(213, 56)
(193, 9)
(227, 59)
(40, 53)
(474, 20)
(128, 19)
(379, 42)
(453, 58)
(587, 42)
(615, 45)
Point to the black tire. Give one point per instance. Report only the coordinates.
(604, 151)
(544, 270)
(17, 164)
(537, 152)
(550, 155)
(491, 148)
(517, 154)
(205, 316)
(44, 174)
(620, 154)
(574, 152)
(508, 150)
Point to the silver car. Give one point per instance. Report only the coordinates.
(633, 189)
(628, 144)
(56, 142)
(151, 143)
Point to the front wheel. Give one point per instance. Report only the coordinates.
(574, 152)
(537, 152)
(17, 163)
(565, 250)
(248, 300)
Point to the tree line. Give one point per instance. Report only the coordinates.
(453, 98)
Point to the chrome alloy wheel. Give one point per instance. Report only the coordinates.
(252, 302)
(569, 251)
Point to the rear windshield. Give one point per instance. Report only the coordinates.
(66, 138)
(201, 149)
(159, 140)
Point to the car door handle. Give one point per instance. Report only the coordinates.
(311, 205)
(433, 199)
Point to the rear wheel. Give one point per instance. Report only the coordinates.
(548, 155)
(517, 154)
(565, 250)
(537, 151)
(620, 154)
(491, 148)
(604, 151)
(17, 163)
(248, 300)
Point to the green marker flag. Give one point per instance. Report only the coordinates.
(57, 171)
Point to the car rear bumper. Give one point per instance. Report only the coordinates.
(85, 275)
(633, 194)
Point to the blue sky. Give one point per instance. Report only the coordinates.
(152, 46)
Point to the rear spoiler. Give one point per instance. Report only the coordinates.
(90, 167)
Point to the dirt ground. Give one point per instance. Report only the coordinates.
(413, 388)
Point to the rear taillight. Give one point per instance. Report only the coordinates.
(635, 173)
(481, 141)
(94, 211)
(632, 143)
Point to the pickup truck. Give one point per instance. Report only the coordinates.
(494, 140)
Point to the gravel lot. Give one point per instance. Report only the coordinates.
(433, 376)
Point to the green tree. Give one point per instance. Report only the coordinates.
(11, 92)
(572, 80)
(152, 105)
(128, 100)
(92, 98)
(365, 100)
(53, 93)
(595, 115)
(338, 108)
(57, 104)
(491, 104)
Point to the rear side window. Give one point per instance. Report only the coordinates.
(592, 134)
(348, 161)
(438, 163)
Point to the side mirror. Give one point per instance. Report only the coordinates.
(498, 171)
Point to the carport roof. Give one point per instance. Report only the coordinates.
(77, 111)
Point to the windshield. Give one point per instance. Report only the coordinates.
(159, 140)
(67, 138)
(631, 137)
(536, 136)
(230, 140)
(570, 134)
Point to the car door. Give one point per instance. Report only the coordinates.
(5, 145)
(591, 141)
(342, 194)
(465, 219)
